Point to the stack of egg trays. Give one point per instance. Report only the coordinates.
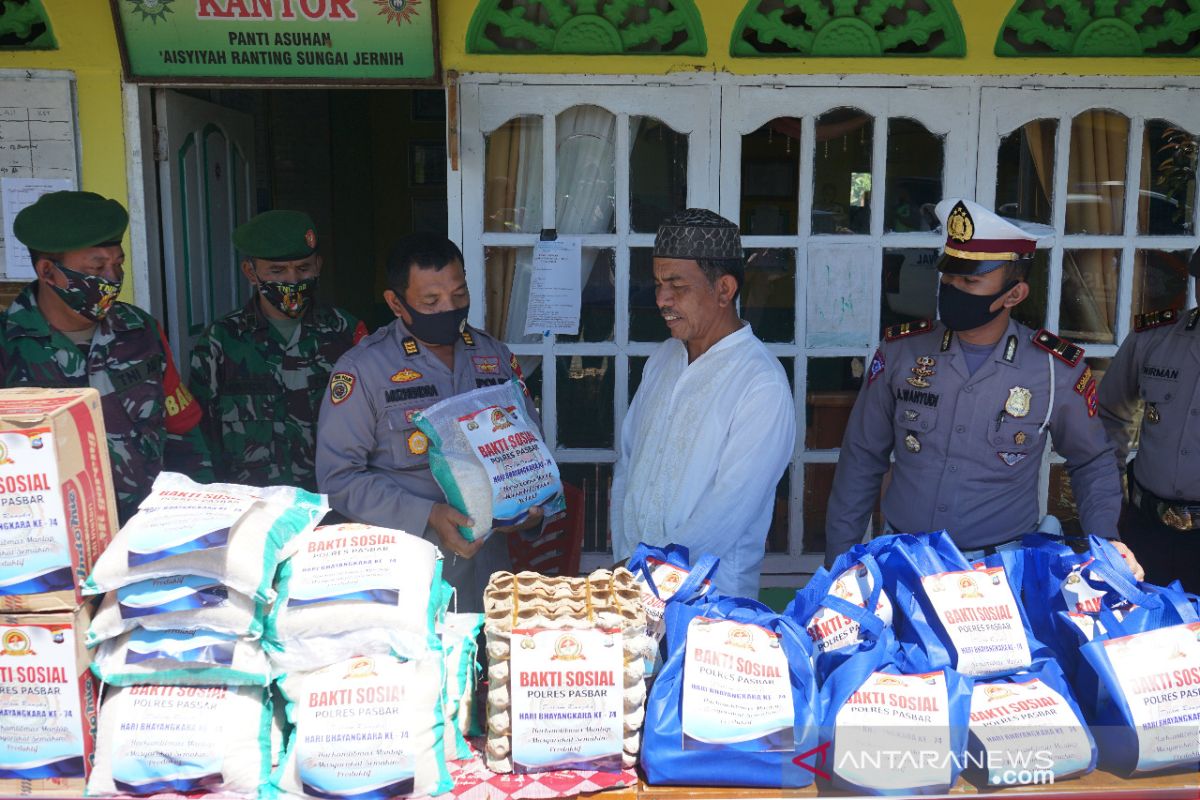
(562, 603)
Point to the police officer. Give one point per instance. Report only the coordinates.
(67, 328)
(965, 404)
(1157, 369)
(371, 458)
(261, 371)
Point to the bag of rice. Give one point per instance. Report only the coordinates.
(207, 739)
(666, 575)
(193, 658)
(369, 727)
(354, 589)
(489, 458)
(187, 602)
(460, 646)
(227, 532)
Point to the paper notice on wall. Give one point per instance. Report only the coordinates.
(555, 288)
(840, 309)
(16, 194)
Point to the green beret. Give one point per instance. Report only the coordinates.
(60, 222)
(277, 236)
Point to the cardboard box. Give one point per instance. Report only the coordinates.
(48, 710)
(58, 510)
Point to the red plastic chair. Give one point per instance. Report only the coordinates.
(557, 550)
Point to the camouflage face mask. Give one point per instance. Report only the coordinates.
(89, 296)
(292, 299)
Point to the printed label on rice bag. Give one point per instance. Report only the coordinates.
(1027, 725)
(166, 595)
(351, 562)
(41, 721)
(35, 555)
(172, 522)
(170, 739)
(906, 714)
(189, 648)
(667, 579)
(354, 729)
(831, 630)
(568, 691)
(516, 460)
(980, 614)
(736, 688)
(1159, 675)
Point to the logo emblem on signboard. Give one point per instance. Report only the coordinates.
(152, 10)
(398, 11)
(16, 643)
(567, 648)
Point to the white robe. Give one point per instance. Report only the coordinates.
(701, 452)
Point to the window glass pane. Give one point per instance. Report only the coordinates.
(507, 272)
(1032, 310)
(645, 322)
(585, 401)
(1025, 172)
(594, 481)
(910, 284)
(657, 173)
(842, 175)
(637, 366)
(915, 159)
(531, 368)
(1159, 280)
(1088, 310)
(586, 170)
(777, 534)
(1168, 191)
(597, 307)
(1096, 178)
(770, 178)
(512, 181)
(833, 384)
(769, 294)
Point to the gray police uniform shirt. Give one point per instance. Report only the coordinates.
(371, 459)
(1158, 365)
(968, 448)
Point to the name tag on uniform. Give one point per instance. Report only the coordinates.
(135, 374)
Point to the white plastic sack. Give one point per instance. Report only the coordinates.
(460, 646)
(179, 657)
(230, 533)
(183, 602)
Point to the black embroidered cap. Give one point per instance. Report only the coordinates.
(698, 233)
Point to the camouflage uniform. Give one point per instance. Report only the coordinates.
(261, 395)
(150, 419)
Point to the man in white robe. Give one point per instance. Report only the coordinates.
(713, 424)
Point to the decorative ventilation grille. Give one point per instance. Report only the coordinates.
(24, 25)
(1101, 28)
(587, 27)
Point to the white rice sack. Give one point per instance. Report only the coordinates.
(230, 533)
(153, 739)
(181, 602)
(353, 590)
(459, 634)
(369, 727)
(178, 657)
(489, 458)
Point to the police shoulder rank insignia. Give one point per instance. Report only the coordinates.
(406, 376)
(418, 443)
(876, 368)
(1155, 319)
(907, 329)
(341, 385)
(410, 346)
(467, 338)
(1058, 347)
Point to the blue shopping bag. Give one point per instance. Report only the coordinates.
(735, 703)
(666, 575)
(892, 730)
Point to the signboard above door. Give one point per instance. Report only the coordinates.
(251, 42)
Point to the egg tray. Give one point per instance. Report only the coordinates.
(604, 599)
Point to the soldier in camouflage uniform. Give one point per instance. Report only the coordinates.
(67, 329)
(260, 372)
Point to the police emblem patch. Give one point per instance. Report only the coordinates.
(406, 376)
(1012, 459)
(418, 443)
(875, 370)
(341, 385)
(310, 238)
(488, 365)
(1018, 401)
(410, 413)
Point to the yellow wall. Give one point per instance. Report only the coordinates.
(981, 20)
(87, 46)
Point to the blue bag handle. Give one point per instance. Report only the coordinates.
(1116, 576)
(705, 566)
(864, 615)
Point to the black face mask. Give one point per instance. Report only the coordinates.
(960, 311)
(444, 327)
